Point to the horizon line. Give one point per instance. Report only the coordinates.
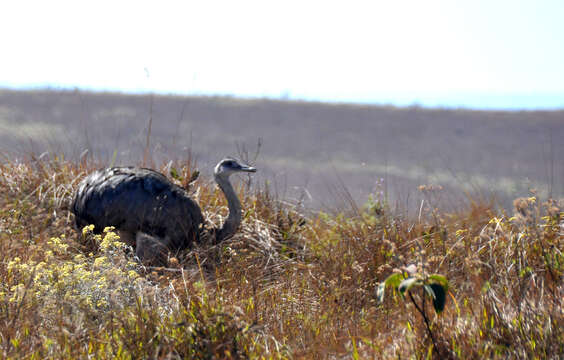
(551, 101)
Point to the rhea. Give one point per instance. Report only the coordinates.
(150, 212)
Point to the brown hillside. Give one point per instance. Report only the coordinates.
(314, 146)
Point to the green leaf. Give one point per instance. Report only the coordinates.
(429, 291)
(440, 297)
(394, 280)
(355, 350)
(174, 173)
(439, 279)
(194, 176)
(408, 283)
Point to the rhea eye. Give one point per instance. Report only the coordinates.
(229, 163)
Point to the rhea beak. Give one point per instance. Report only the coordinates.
(246, 168)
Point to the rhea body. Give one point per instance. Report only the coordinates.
(144, 205)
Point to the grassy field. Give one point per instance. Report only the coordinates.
(307, 149)
(288, 285)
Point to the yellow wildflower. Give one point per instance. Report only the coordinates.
(111, 239)
(14, 263)
(100, 261)
(18, 291)
(87, 229)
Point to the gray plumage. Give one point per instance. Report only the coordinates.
(149, 209)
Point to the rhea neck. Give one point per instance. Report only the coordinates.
(234, 219)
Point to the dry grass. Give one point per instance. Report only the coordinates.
(286, 286)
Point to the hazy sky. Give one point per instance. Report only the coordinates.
(507, 54)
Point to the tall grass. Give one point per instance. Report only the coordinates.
(287, 285)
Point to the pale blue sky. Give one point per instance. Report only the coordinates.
(485, 54)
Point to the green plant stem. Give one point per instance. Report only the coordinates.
(422, 312)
